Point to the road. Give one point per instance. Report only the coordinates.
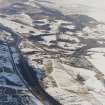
(38, 102)
(27, 74)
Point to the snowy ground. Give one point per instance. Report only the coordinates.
(92, 8)
(71, 48)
